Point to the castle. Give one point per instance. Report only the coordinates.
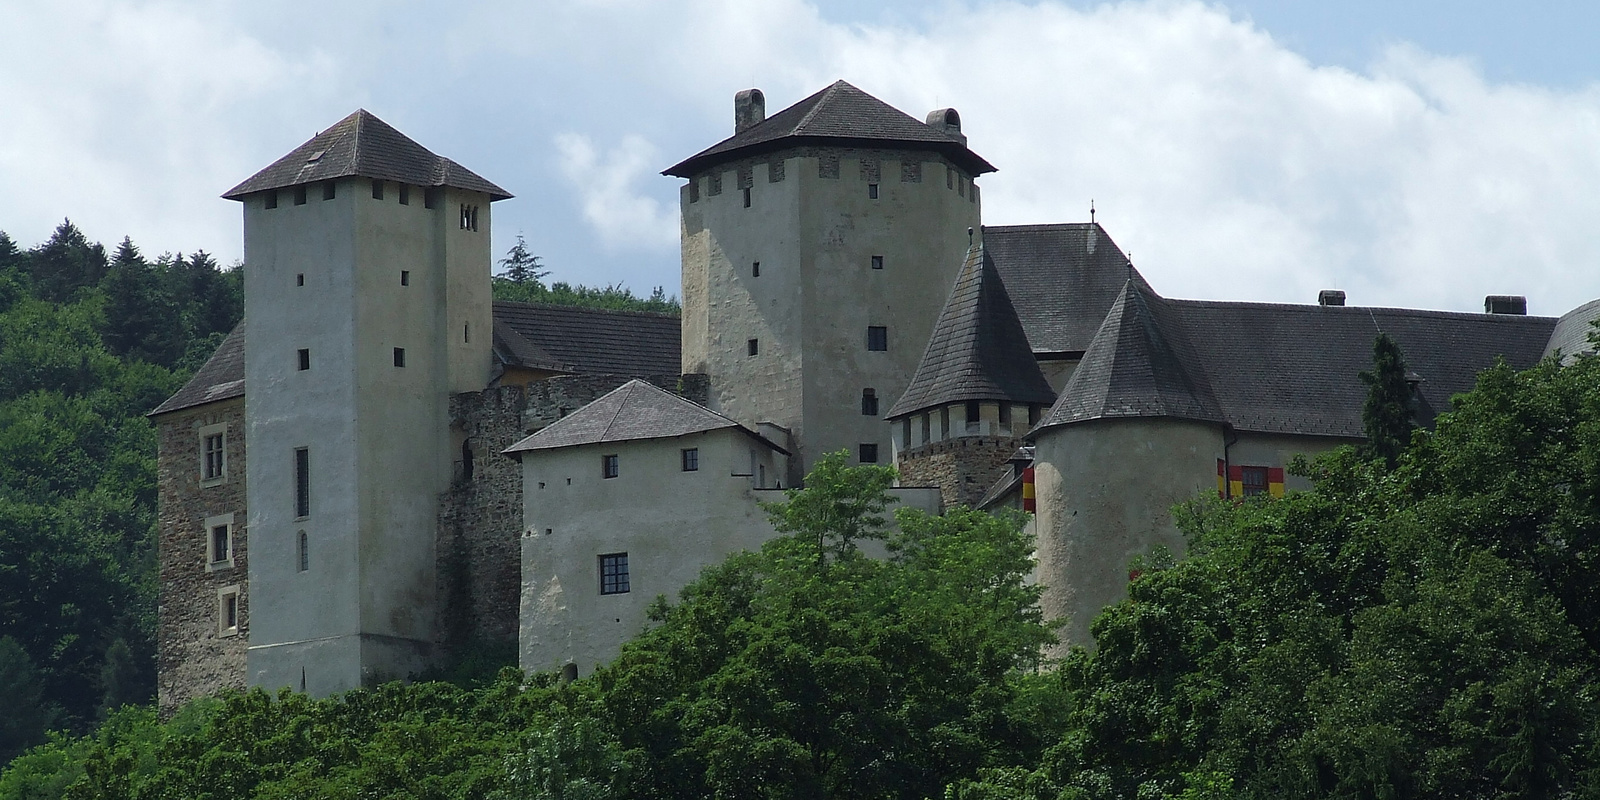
(427, 467)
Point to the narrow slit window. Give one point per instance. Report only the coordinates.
(377, 190)
(872, 191)
(228, 611)
(405, 194)
(304, 553)
(399, 356)
(299, 279)
(466, 333)
(755, 269)
(747, 198)
(330, 190)
(405, 277)
(300, 195)
(869, 402)
(304, 356)
(752, 346)
(302, 482)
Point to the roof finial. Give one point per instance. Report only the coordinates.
(1130, 265)
(969, 237)
(1091, 211)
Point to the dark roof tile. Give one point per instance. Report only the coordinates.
(1062, 279)
(635, 410)
(591, 341)
(220, 378)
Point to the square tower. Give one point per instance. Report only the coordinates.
(818, 247)
(367, 290)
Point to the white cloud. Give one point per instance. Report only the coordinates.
(606, 184)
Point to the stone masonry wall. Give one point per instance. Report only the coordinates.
(480, 517)
(195, 656)
(963, 468)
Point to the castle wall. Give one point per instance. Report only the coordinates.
(197, 654)
(1277, 450)
(963, 469)
(1104, 491)
(814, 228)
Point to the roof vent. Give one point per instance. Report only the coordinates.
(1330, 297)
(749, 110)
(315, 157)
(948, 121)
(1505, 304)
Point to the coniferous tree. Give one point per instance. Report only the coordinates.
(522, 267)
(27, 713)
(140, 317)
(1388, 415)
(66, 262)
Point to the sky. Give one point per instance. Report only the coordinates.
(1420, 154)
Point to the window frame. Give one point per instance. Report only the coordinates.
(302, 482)
(1248, 489)
(206, 434)
(877, 338)
(228, 605)
(689, 459)
(869, 402)
(212, 524)
(610, 466)
(619, 580)
(865, 449)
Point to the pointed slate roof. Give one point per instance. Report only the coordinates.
(840, 115)
(1140, 364)
(361, 145)
(635, 410)
(220, 378)
(978, 350)
(1062, 279)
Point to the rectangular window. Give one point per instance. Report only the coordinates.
(694, 190)
(869, 402)
(877, 262)
(691, 459)
(300, 195)
(944, 423)
(877, 337)
(927, 428)
(614, 573)
(399, 356)
(228, 611)
(974, 412)
(299, 279)
(305, 358)
(405, 277)
(1254, 480)
(746, 198)
(751, 347)
(405, 194)
(1005, 413)
(469, 217)
(302, 482)
(430, 198)
(869, 453)
(905, 433)
(377, 190)
(608, 466)
(219, 542)
(305, 553)
(329, 190)
(270, 198)
(466, 333)
(214, 457)
(755, 269)
(872, 191)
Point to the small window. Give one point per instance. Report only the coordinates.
(1005, 413)
(944, 423)
(1254, 480)
(746, 198)
(755, 269)
(300, 195)
(302, 482)
(304, 551)
(405, 277)
(869, 453)
(430, 198)
(405, 194)
(299, 279)
(228, 611)
(466, 333)
(927, 428)
(694, 191)
(877, 262)
(752, 346)
(270, 198)
(691, 459)
(974, 412)
(469, 217)
(329, 190)
(399, 356)
(305, 358)
(214, 454)
(869, 402)
(608, 466)
(220, 544)
(877, 337)
(614, 573)
(377, 190)
(872, 191)
(905, 432)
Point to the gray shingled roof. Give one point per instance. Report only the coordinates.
(1062, 279)
(220, 378)
(840, 115)
(635, 410)
(590, 341)
(361, 145)
(978, 350)
(1280, 368)
(1571, 334)
(514, 349)
(1139, 364)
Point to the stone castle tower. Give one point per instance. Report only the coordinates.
(368, 299)
(818, 248)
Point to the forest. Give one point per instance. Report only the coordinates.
(1424, 622)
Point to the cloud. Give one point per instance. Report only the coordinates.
(606, 186)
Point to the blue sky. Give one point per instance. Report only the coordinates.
(1421, 153)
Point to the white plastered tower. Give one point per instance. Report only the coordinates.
(818, 247)
(367, 290)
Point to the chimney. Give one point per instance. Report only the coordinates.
(947, 121)
(1506, 304)
(1330, 297)
(749, 110)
